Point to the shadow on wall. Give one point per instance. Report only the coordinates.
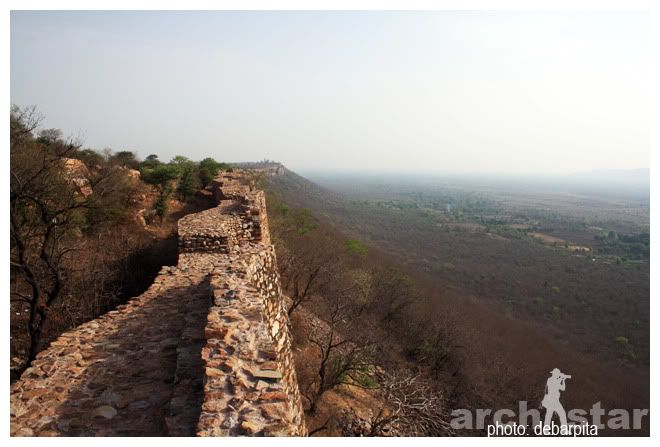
(138, 385)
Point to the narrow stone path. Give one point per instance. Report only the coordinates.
(117, 375)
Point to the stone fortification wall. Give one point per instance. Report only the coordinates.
(205, 350)
(250, 380)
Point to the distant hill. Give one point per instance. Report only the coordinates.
(298, 191)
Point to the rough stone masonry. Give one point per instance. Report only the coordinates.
(205, 351)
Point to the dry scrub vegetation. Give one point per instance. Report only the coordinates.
(461, 351)
(358, 374)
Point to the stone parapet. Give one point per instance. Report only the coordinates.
(250, 382)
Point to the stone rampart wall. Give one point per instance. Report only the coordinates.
(205, 350)
(250, 380)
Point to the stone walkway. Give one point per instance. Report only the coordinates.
(117, 375)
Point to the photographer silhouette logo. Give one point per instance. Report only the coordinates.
(554, 386)
(527, 421)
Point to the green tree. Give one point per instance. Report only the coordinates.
(161, 177)
(90, 157)
(187, 174)
(150, 162)
(356, 247)
(125, 158)
(188, 181)
(180, 163)
(208, 169)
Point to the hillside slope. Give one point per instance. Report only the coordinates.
(505, 354)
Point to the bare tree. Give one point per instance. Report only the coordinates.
(394, 292)
(44, 207)
(411, 407)
(343, 359)
(306, 272)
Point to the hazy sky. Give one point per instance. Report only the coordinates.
(431, 91)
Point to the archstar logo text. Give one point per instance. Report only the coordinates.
(527, 421)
